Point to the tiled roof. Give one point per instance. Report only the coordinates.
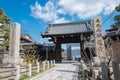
(29, 40)
(112, 32)
(69, 28)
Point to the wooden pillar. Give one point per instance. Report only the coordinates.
(82, 50)
(58, 52)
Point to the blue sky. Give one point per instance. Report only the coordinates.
(35, 15)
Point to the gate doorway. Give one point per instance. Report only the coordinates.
(77, 32)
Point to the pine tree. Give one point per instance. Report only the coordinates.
(117, 18)
(4, 30)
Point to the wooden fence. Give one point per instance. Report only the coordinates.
(18, 71)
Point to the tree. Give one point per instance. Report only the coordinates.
(4, 30)
(117, 18)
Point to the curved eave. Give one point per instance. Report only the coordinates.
(49, 35)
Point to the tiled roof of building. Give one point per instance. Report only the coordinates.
(28, 38)
(69, 28)
(112, 32)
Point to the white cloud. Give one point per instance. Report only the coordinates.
(85, 9)
(49, 12)
(60, 20)
(52, 10)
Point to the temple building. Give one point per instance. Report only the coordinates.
(29, 48)
(113, 39)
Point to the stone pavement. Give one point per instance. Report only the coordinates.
(64, 71)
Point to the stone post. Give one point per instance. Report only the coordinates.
(14, 45)
(30, 69)
(17, 72)
(38, 67)
(84, 66)
(48, 64)
(51, 64)
(99, 42)
(43, 64)
(96, 74)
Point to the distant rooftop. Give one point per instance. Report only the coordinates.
(28, 38)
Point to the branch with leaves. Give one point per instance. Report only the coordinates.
(4, 30)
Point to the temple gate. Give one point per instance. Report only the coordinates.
(76, 32)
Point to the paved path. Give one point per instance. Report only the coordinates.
(64, 71)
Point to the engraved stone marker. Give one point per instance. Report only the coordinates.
(99, 43)
(14, 44)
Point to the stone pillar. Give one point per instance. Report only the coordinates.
(48, 64)
(99, 43)
(51, 64)
(43, 64)
(84, 66)
(14, 44)
(58, 53)
(96, 74)
(17, 72)
(38, 67)
(30, 69)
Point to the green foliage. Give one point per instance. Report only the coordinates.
(108, 40)
(116, 18)
(117, 8)
(34, 73)
(24, 77)
(30, 58)
(4, 30)
(3, 18)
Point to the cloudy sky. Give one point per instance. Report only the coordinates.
(35, 15)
